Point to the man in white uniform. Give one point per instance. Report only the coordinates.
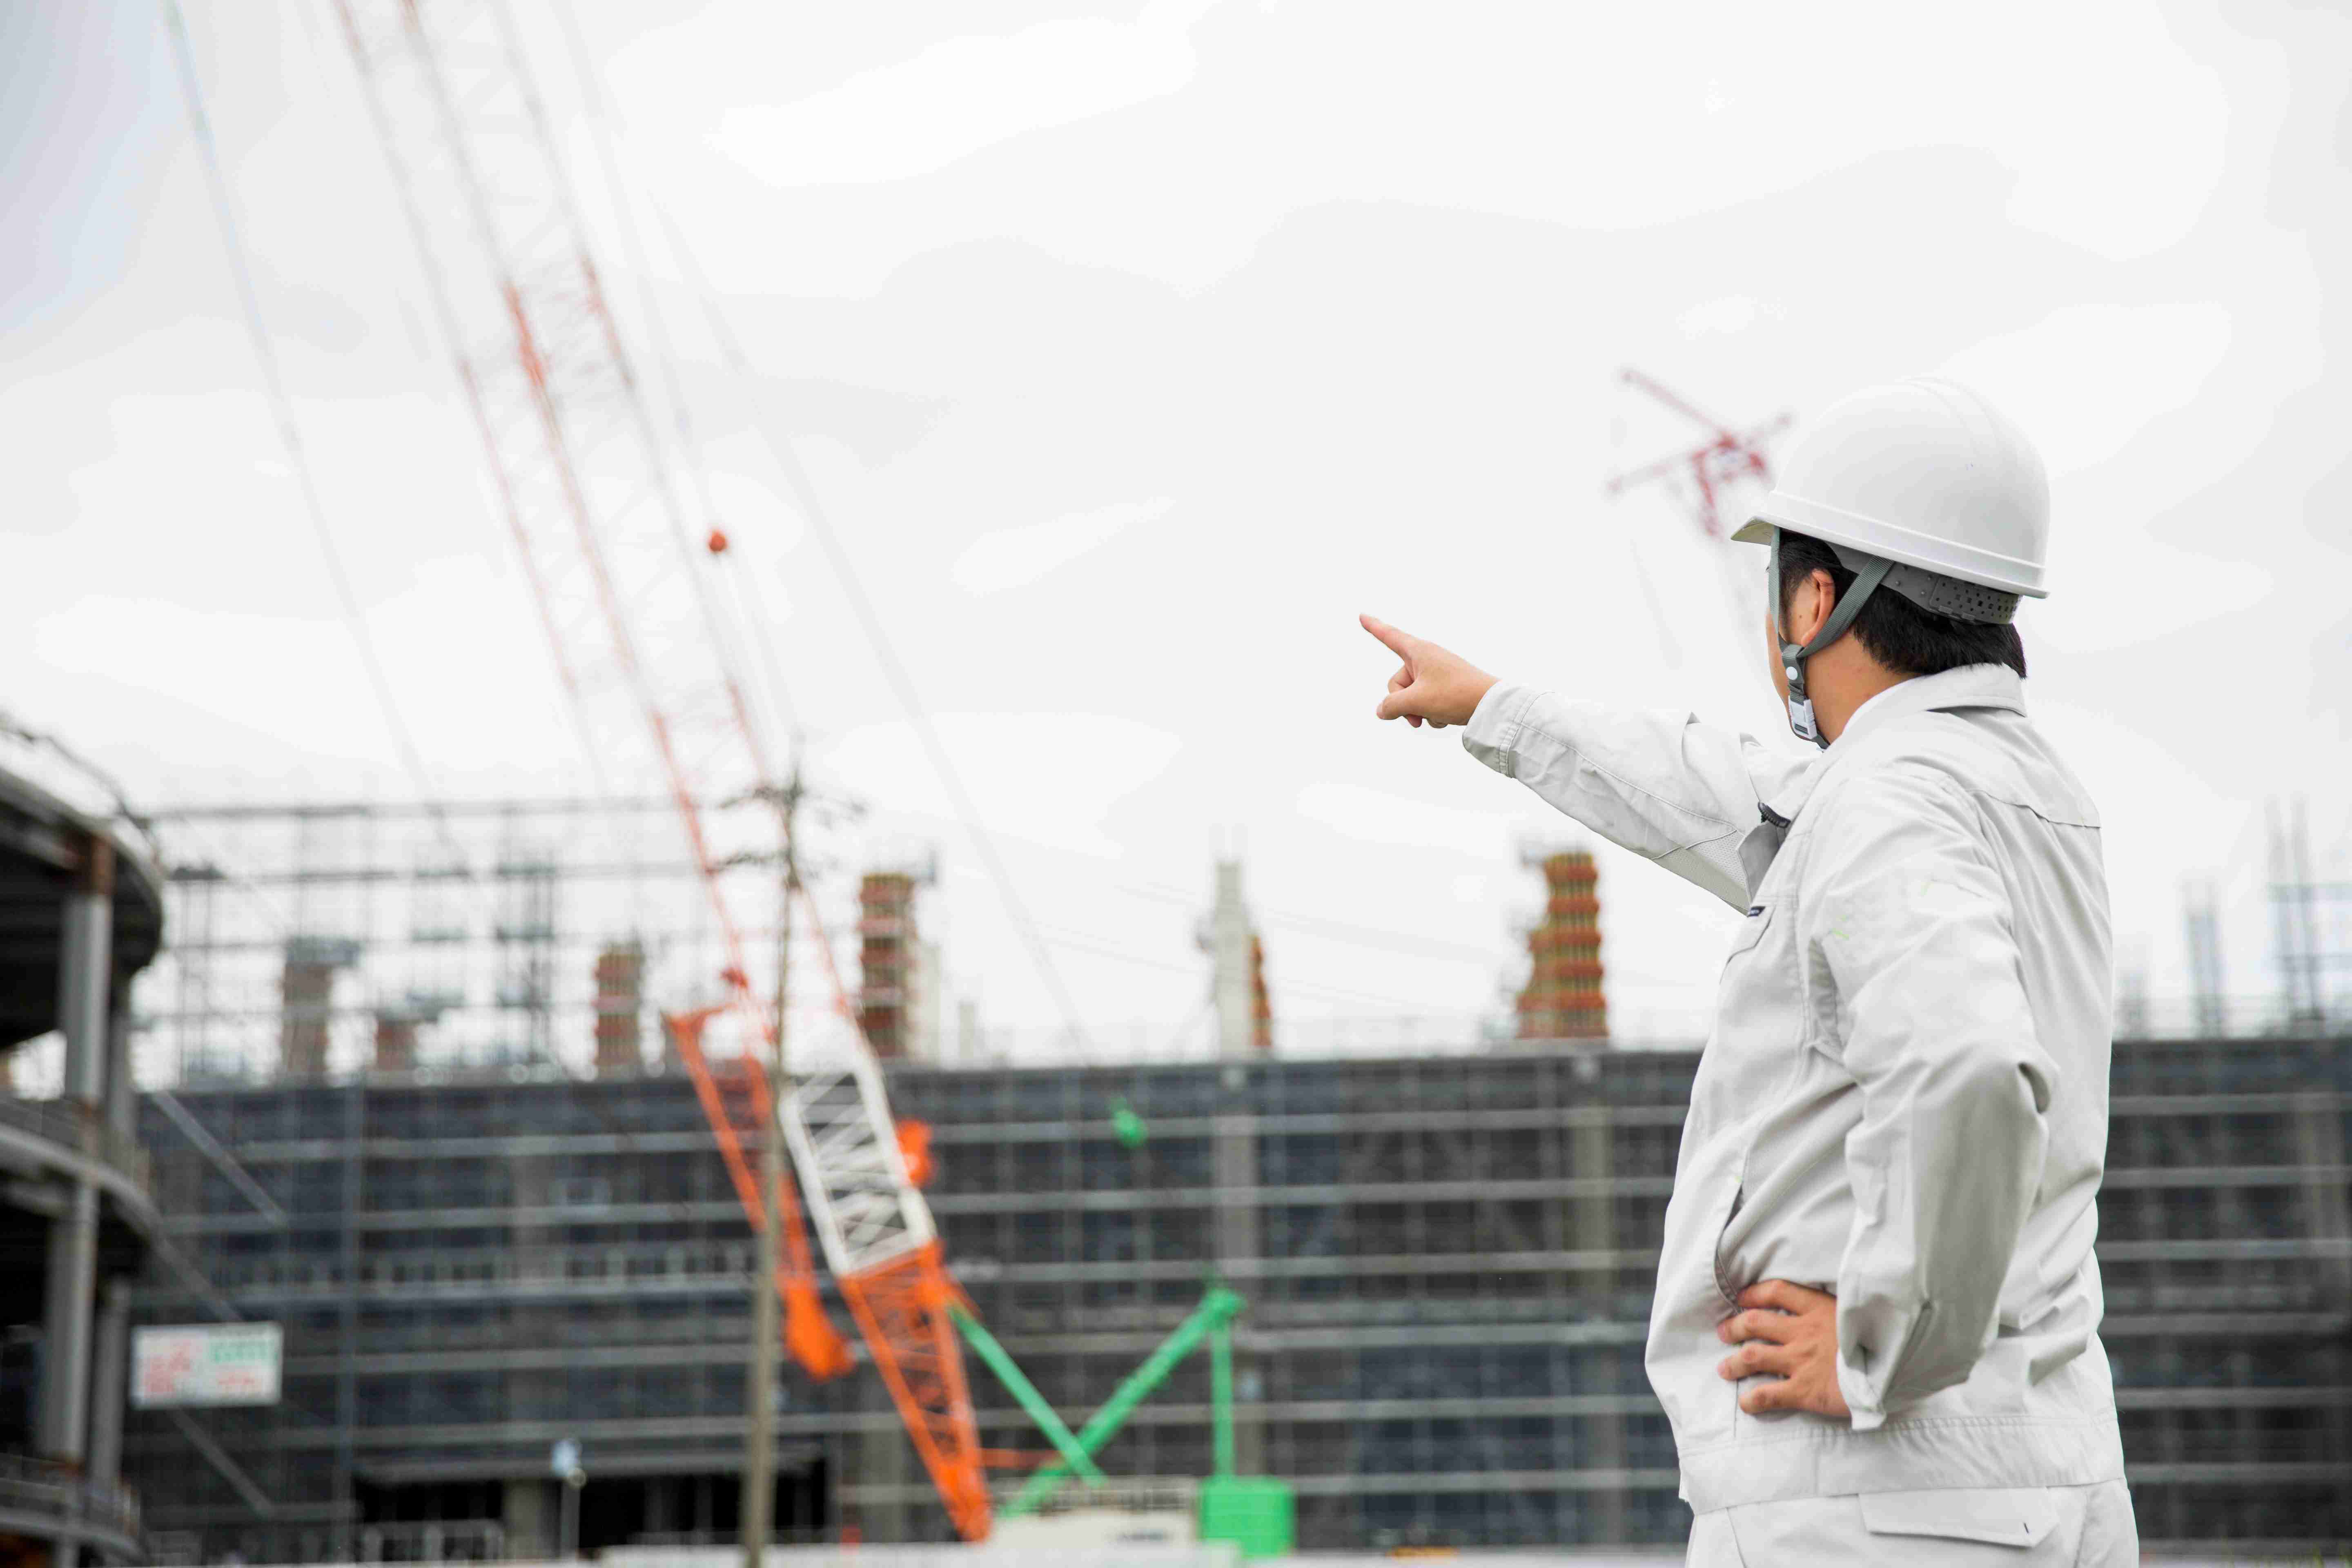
(1876, 1322)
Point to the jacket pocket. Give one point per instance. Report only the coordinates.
(1760, 918)
(2020, 1517)
(1723, 1283)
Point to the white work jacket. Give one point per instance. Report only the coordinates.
(1904, 1100)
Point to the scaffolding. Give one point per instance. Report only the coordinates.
(1448, 1260)
(313, 940)
(889, 962)
(1562, 999)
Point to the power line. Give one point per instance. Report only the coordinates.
(689, 439)
(1077, 943)
(861, 603)
(282, 407)
(355, 621)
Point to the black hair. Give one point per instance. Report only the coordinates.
(1896, 632)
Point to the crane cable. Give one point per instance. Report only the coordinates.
(689, 437)
(852, 587)
(282, 408)
(355, 621)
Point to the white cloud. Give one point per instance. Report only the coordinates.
(1733, 313)
(1380, 817)
(1049, 777)
(2086, 379)
(1011, 556)
(460, 633)
(2072, 183)
(259, 672)
(965, 94)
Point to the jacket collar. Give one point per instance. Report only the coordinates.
(1969, 686)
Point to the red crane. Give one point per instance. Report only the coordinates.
(650, 662)
(1724, 458)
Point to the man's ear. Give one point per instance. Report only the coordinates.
(1811, 604)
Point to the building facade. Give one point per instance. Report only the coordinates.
(1447, 1261)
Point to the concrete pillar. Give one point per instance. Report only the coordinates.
(2319, 1150)
(925, 1018)
(1591, 1146)
(1234, 1172)
(122, 1088)
(1229, 952)
(619, 1009)
(85, 966)
(66, 1327)
(528, 1515)
(886, 1462)
(110, 1383)
(85, 972)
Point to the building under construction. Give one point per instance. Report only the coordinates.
(1447, 1261)
(421, 1120)
(81, 908)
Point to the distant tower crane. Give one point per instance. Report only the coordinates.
(1724, 458)
(623, 587)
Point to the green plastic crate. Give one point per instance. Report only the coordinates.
(1258, 1513)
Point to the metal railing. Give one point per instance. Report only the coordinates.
(78, 781)
(45, 1487)
(70, 1125)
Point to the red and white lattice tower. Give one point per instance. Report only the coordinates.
(1727, 458)
(641, 641)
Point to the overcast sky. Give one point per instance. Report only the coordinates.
(1134, 350)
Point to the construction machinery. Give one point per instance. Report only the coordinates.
(628, 593)
(648, 660)
(1725, 456)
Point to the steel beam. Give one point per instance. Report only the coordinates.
(210, 1147)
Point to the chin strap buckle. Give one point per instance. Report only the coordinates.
(1800, 705)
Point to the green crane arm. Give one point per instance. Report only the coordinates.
(1009, 1374)
(1217, 1309)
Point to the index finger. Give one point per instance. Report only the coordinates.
(1400, 643)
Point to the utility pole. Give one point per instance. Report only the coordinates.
(760, 1441)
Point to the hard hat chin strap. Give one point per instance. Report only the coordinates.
(1792, 658)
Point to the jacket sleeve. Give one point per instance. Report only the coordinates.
(1911, 923)
(1663, 784)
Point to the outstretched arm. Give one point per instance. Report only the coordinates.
(1665, 786)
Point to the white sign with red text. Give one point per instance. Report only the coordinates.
(205, 1363)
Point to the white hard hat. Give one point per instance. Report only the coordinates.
(1925, 474)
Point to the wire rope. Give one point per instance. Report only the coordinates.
(852, 588)
(289, 432)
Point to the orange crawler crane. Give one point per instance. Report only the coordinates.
(741, 1112)
(648, 658)
(1562, 999)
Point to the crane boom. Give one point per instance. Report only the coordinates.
(638, 634)
(1725, 458)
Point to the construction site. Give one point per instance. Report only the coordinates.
(627, 1169)
(478, 1259)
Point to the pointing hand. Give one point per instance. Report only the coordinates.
(1431, 686)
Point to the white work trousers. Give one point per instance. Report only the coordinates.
(2081, 1527)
